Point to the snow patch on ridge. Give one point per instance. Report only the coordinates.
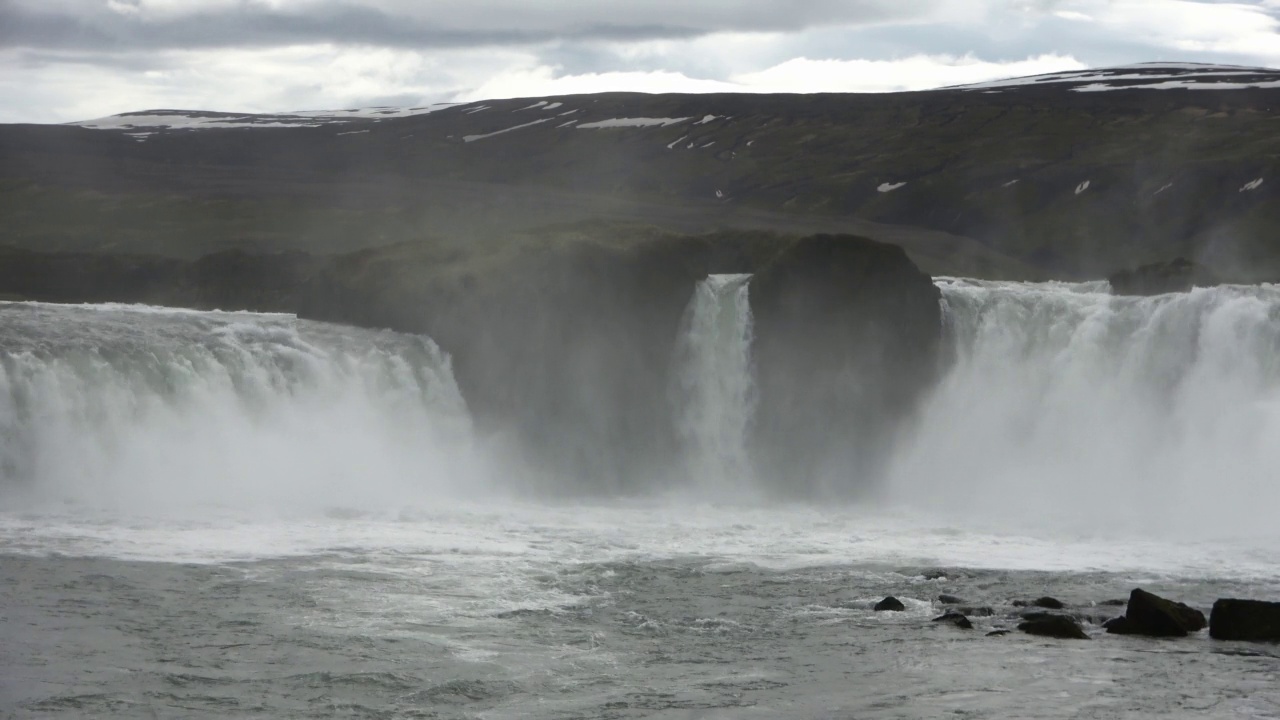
(1146, 76)
(632, 122)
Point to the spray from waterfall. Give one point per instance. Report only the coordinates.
(127, 407)
(716, 390)
(1066, 405)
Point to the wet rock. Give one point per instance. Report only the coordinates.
(956, 619)
(997, 633)
(1154, 616)
(1253, 620)
(1119, 626)
(827, 308)
(949, 599)
(978, 611)
(1055, 626)
(890, 604)
(1034, 615)
(1116, 602)
(1048, 602)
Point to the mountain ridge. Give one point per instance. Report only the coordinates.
(1031, 180)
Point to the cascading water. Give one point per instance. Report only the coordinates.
(135, 407)
(1067, 405)
(716, 393)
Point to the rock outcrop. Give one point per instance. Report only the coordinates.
(563, 344)
(952, 617)
(847, 334)
(1154, 616)
(1056, 626)
(890, 604)
(1253, 620)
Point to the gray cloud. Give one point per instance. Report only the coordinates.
(450, 24)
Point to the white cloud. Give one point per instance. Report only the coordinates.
(918, 72)
(800, 75)
(542, 80)
(1248, 30)
(1073, 15)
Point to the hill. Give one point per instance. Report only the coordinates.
(1067, 175)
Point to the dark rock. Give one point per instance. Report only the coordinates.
(1253, 620)
(1119, 626)
(949, 599)
(1113, 603)
(934, 574)
(978, 611)
(1037, 615)
(1177, 275)
(828, 308)
(1152, 615)
(997, 633)
(561, 346)
(1048, 602)
(956, 619)
(1056, 626)
(1019, 603)
(891, 604)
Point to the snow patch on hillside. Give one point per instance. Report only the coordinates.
(208, 120)
(473, 138)
(632, 122)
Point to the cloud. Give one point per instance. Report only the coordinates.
(918, 72)
(64, 60)
(186, 24)
(800, 75)
(1189, 27)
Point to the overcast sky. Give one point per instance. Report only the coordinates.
(63, 60)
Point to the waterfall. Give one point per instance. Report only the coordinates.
(113, 406)
(716, 389)
(1067, 405)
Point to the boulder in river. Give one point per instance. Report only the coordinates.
(949, 599)
(891, 604)
(1152, 615)
(1245, 620)
(1055, 626)
(956, 619)
(1048, 602)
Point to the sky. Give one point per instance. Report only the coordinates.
(66, 60)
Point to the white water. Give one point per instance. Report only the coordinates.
(146, 409)
(1070, 407)
(716, 393)
(1069, 419)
